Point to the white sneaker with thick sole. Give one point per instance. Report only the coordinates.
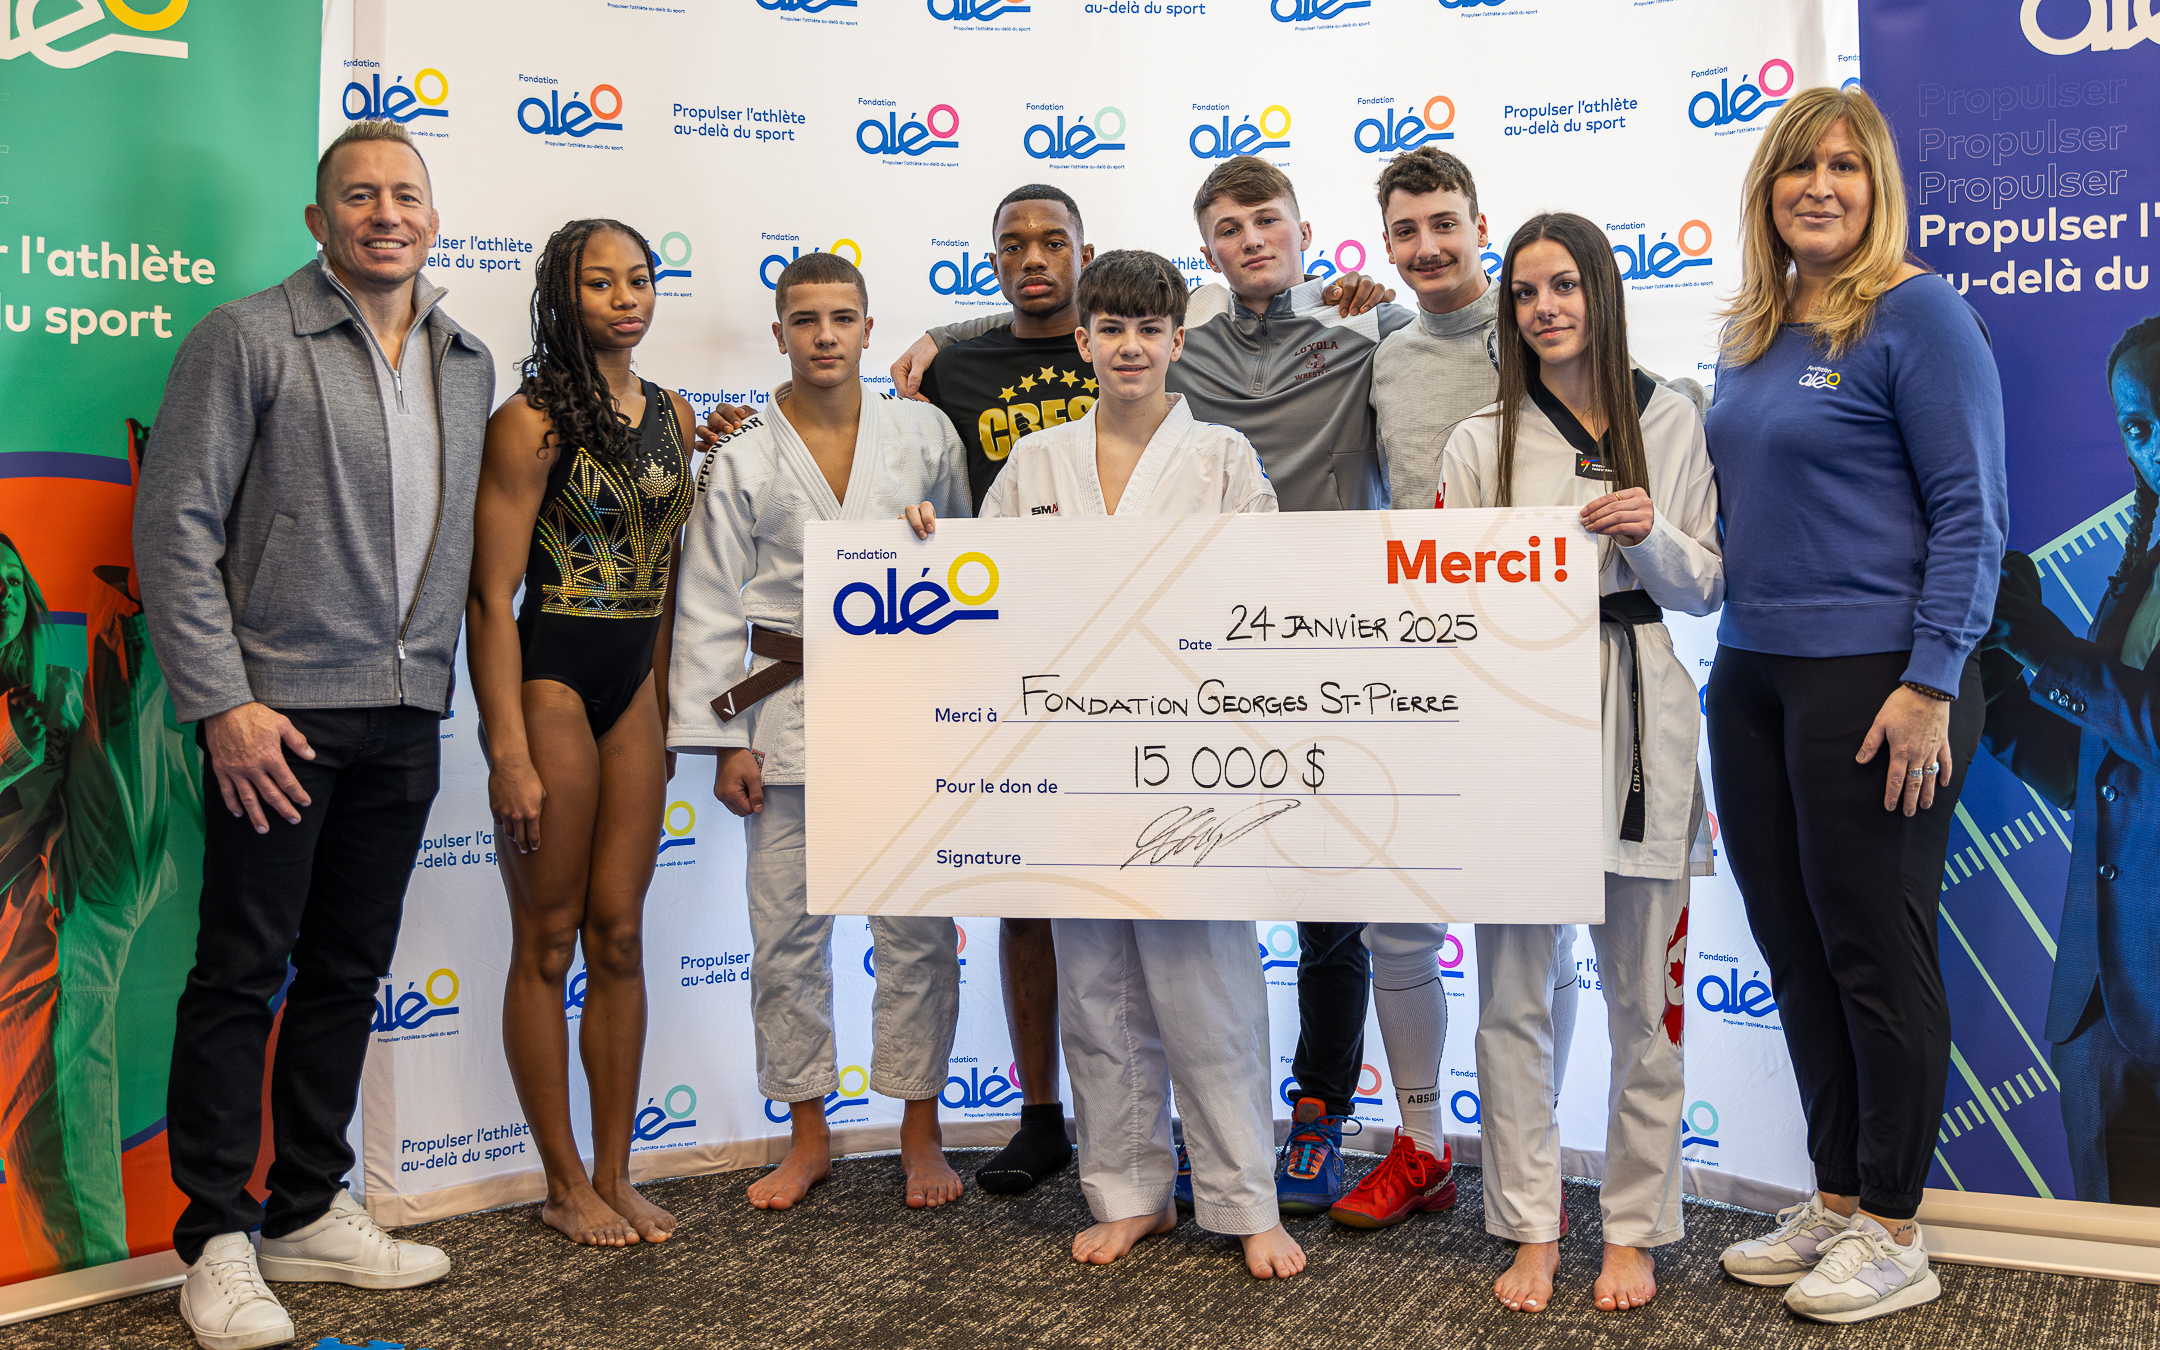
(345, 1246)
(1864, 1273)
(225, 1302)
(1789, 1251)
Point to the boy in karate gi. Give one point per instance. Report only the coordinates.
(822, 451)
(1142, 1001)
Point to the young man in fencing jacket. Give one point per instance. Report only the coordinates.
(1142, 1001)
(821, 451)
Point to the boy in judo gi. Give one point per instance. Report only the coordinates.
(1142, 1001)
(821, 451)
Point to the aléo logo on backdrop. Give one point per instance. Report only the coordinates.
(579, 117)
(896, 611)
(400, 103)
(1247, 138)
(958, 276)
(1387, 134)
(36, 38)
(434, 997)
(772, 264)
(1079, 141)
(805, 6)
(1689, 246)
(673, 1111)
(859, 1095)
(2101, 33)
(973, 11)
(910, 138)
(1726, 105)
(1313, 11)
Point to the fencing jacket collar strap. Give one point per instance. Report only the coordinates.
(1571, 429)
(1479, 313)
(796, 454)
(1162, 448)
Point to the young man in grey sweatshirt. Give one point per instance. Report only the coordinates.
(304, 533)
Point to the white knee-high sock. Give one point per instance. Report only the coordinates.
(1412, 1009)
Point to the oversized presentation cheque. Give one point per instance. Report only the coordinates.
(1350, 716)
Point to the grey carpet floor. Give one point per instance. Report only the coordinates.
(853, 1267)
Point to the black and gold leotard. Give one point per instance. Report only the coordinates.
(603, 549)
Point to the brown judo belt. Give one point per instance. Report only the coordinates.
(785, 649)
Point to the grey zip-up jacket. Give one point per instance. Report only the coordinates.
(1296, 380)
(264, 532)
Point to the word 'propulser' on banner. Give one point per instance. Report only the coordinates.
(1347, 716)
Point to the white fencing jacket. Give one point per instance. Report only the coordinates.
(1681, 565)
(1189, 468)
(742, 557)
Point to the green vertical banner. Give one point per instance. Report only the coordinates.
(154, 163)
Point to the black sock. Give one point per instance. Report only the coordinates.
(1037, 1149)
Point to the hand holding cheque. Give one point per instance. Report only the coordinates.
(1349, 716)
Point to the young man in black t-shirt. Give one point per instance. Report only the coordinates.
(996, 388)
(1028, 374)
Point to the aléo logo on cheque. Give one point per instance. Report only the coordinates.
(400, 103)
(924, 607)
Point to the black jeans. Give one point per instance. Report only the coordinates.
(2111, 1113)
(1334, 981)
(326, 896)
(1842, 898)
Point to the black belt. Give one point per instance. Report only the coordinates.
(786, 651)
(1632, 610)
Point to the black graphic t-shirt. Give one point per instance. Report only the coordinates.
(997, 388)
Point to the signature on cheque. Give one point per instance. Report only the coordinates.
(1182, 830)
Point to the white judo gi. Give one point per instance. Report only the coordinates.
(742, 566)
(1143, 1002)
(1641, 946)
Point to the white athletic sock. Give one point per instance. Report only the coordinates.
(1412, 1009)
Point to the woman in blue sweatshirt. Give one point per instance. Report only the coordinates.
(1858, 438)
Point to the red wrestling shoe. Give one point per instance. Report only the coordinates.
(1408, 1181)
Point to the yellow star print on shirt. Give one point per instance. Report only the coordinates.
(1027, 382)
(1007, 394)
(1068, 379)
(1088, 385)
(1048, 374)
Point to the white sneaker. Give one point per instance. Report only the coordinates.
(225, 1302)
(345, 1246)
(1790, 1250)
(1864, 1273)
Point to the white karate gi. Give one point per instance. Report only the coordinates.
(1146, 1001)
(1641, 946)
(742, 564)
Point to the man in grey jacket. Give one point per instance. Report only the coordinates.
(304, 530)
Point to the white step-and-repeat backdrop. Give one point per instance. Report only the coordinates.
(737, 134)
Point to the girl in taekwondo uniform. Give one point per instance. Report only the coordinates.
(1576, 425)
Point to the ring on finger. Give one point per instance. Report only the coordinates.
(1933, 769)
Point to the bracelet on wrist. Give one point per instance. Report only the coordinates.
(1928, 691)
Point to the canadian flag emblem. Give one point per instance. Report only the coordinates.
(1676, 979)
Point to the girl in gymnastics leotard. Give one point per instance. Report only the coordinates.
(583, 492)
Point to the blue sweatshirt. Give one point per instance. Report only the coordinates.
(1863, 499)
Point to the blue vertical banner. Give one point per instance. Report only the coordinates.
(2027, 131)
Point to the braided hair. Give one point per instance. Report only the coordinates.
(562, 377)
(2140, 336)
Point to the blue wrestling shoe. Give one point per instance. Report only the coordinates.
(1182, 1191)
(1308, 1175)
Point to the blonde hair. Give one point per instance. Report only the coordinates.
(1843, 311)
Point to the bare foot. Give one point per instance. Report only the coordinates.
(653, 1224)
(586, 1219)
(1526, 1286)
(1629, 1279)
(1106, 1242)
(930, 1179)
(1273, 1255)
(808, 1162)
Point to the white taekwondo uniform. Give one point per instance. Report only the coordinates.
(1145, 1001)
(1641, 945)
(742, 566)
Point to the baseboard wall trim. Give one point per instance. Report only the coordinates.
(51, 1294)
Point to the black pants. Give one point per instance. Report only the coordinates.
(2111, 1113)
(1334, 980)
(1842, 898)
(324, 895)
